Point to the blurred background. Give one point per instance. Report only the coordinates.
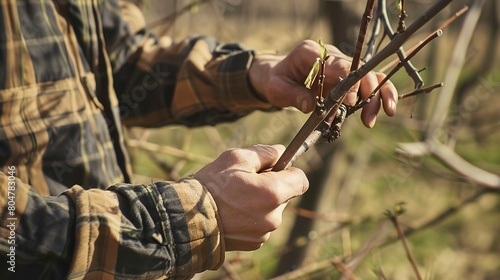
(447, 193)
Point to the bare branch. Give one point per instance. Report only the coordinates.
(148, 146)
(443, 103)
(231, 273)
(308, 134)
(346, 272)
(410, 69)
(442, 27)
(434, 35)
(393, 216)
(449, 157)
(420, 91)
(454, 17)
(367, 16)
(409, 231)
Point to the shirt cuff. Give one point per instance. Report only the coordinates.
(139, 231)
(232, 77)
(196, 228)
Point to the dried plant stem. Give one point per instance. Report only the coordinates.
(346, 272)
(367, 17)
(380, 274)
(168, 150)
(407, 232)
(420, 90)
(231, 273)
(444, 101)
(401, 235)
(439, 217)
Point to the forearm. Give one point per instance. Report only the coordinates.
(196, 81)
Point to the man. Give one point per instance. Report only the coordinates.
(71, 74)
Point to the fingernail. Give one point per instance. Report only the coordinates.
(392, 105)
(371, 120)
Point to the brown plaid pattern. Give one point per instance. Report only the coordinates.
(72, 72)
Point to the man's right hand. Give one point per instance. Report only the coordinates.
(250, 199)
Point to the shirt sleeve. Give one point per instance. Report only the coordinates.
(127, 231)
(195, 81)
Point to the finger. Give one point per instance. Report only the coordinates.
(294, 95)
(389, 95)
(238, 243)
(291, 183)
(338, 68)
(368, 84)
(370, 111)
(352, 95)
(262, 157)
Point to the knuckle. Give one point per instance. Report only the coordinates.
(232, 156)
(262, 239)
(308, 44)
(255, 246)
(273, 223)
(274, 200)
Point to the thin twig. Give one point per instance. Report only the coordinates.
(231, 273)
(409, 231)
(356, 59)
(345, 271)
(373, 39)
(148, 146)
(450, 158)
(308, 135)
(442, 27)
(367, 17)
(380, 274)
(324, 217)
(434, 35)
(439, 217)
(457, 61)
(410, 69)
(420, 91)
(394, 219)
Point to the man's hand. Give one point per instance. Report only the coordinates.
(250, 199)
(281, 81)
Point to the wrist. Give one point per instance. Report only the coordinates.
(259, 73)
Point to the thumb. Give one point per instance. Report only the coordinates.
(291, 183)
(263, 157)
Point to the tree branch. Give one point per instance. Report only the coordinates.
(450, 158)
(308, 135)
(442, 27)
(440, 112)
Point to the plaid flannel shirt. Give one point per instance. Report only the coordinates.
(72, 72)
